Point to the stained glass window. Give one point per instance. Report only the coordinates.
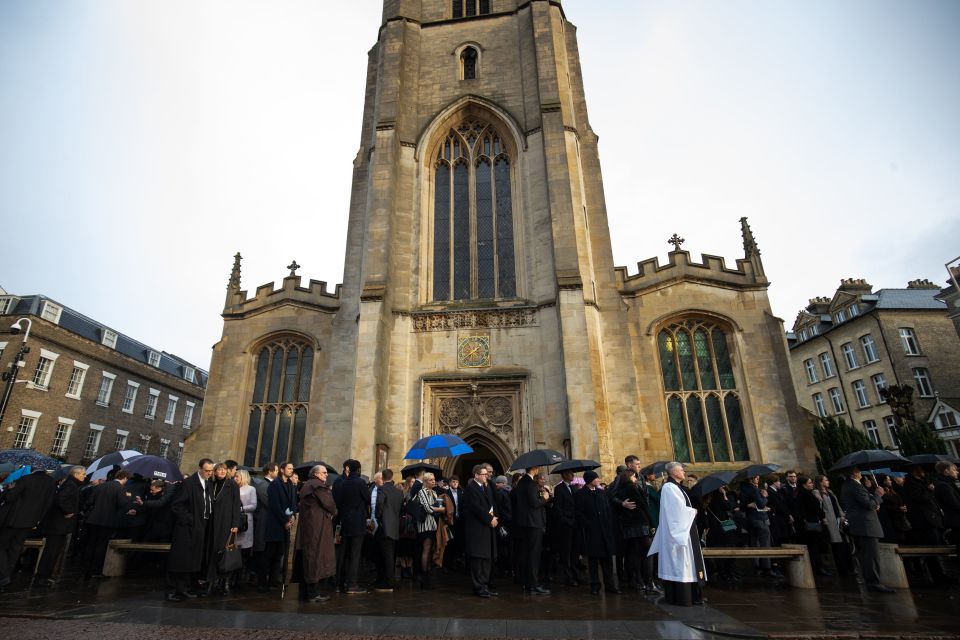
(473, 240)
(276, 427)
(705, 417)
(469, 61)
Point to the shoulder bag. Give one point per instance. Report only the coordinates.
(230, 559)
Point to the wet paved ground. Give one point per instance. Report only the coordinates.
(753, 608)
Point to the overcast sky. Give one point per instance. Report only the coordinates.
(142, 144)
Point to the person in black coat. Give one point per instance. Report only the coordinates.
(718, 509)
(59, 524)
(160, 521)
(636, 529)
(811, 523)
(753, 502)
(562, 526)
(479, 516)
(595, 525)
(25, 503)
(107, 505)
(282, 504)
(387, 512)
(925, 518)
(133, 525)
(352, 496)
(225, 496)
(192, 509)
(946, 490)
(504, 508)
(529, 516)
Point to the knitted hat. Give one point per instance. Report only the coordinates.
(589, 476)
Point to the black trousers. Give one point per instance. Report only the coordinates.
(867, 552)
(11, 544)
(269, 567)
(352, 551)
(94, 553)
(52, 550)
(567, 552)
(597, 565)
(531, 544)
(480, 573)
(386, 561)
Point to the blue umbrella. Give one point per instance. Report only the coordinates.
(29, 457)
(19, 473)
(438, 446)
(153, 468)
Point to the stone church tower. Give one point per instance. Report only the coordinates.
(479, 294)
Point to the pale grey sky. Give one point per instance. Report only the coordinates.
(143, 144)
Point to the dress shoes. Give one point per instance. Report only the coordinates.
(320, 597)
(491, 592)
(482, 593)
(880, 588)
(538, 591)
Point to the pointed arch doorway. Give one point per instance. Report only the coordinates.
(462, 466)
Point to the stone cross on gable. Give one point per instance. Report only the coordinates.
(676, 241)
(293, 266)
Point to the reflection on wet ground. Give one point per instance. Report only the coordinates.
(752, 608)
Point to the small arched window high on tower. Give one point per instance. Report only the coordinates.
(462, 8)
(468, 64)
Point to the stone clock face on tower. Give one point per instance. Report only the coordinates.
(474, 352)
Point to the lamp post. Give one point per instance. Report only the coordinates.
(15, 366)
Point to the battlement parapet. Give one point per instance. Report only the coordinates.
(711, 269)
(315, 295)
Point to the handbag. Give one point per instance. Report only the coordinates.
(727, 526)
(230, 559)
(244, 524)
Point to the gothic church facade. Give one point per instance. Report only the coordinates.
(480, 295)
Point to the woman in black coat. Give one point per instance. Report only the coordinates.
(225, 495)
(637, 530)
(813, 523)
(595, 526)
(722, 529)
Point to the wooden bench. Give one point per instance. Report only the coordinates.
(799, 569)
(115, 562)
(35, 543)
(890, 559)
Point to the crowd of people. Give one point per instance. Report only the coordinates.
(230, 529)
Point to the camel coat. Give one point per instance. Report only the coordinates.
(315, 537)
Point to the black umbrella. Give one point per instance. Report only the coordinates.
(303, 469)
(711, 483)
(930, 459)
(657, 468)
(154, 468)
(755, 470)
(869, 459)
(537, 458)
(576, 466)
(417, 467)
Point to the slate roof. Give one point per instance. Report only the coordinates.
(909, 299)
(79, 324)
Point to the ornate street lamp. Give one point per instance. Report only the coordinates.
(17, 364)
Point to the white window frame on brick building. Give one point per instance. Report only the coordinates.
(879, 382)
(61, 437)
(189, 374)
(51, 312)
(891, 423)
(6, 304)
(78, 375)
(179, 453)
(836, 399)
(840, 316)
(860, 391)
(171, 409)
(188, 414)
(26, 429)
(92, 445)
(873, 432)
(164, 448)
(811, 368)
(109, 338)
(44, 371)
(819, 405)
(130, 397)
(850, 356)
(106, 388)
(908, 339)
(921, 377)
(827, 363)
(153, 399)
(869, 349)
(144, 443)
(120, 442)
(153, 358)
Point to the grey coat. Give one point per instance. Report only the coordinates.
(861, 508)
(389, 501)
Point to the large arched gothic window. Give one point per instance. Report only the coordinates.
(277, 424)
(703, 403)
(473, 216)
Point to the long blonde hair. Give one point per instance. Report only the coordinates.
(243, 477)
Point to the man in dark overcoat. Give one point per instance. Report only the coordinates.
(861, 508)
(282, 503)
(947, 492)
(59, 524)
(353, 508)
(389, 503)
(192, 510)
(315, 537)
(107, 505)
(562, 527)
(479, 516)
(261, 563)
(530, 517)
(594, 519)
(25, 503)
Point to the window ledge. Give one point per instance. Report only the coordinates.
(130, 411)
(72, 397)
(36, 387)
(146, 417)
(102, 404)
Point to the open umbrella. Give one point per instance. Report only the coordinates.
(576, 466)
(657, 468)
(19, 473)
(7, 467)
(417, 467)
(29, 457)
(115, 459)
(303, 469)
(154, 468)
(103, 473)
(443, 445)
(869, 459)
(537, 458)
(711, 483)
(755, 470)
(930, 459)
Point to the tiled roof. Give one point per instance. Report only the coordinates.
(81, 325)
(909, 299)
